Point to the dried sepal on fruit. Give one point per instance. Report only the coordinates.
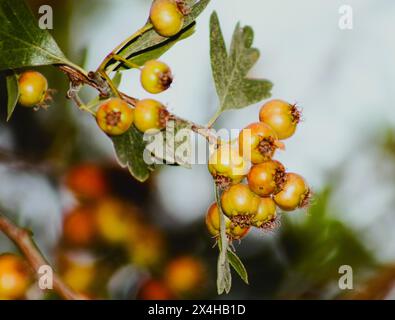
(266, 215)
(294, 194)
(150, 115)
(266, 178)
(240, 204)
(258, 142)
(227, 166)
(156, 76)
(213, 222)
(281, 116)
(167, 16)
(114, 116)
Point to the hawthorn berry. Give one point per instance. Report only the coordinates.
(150, 114)
(33, 87)
(185, 275)
(156, 76)
(152, 289)
(282, 116)
(266, 178)
(294, 194)
(227, 166)
(234, 232)
(79, 228)
(167, 16)
(266, 214)
(14, 277)
(240, 204)
(258, 142)
(114, 116)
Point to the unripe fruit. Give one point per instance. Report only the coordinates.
(258, 142)
(167, 17)
(112, 221)
(213, 223)
(147, 247)
(114, 117)
(79, 228)
(266, 178)
(227, 166)
(33, 88)
(14, 277)
(281, 116)
(185, 275)
(155, 76)
(266, 214)
(154, 290)
(240, 204)
(294, 194)
(79, 270)
(151, 115)
(87, 180)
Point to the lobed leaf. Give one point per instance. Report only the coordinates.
(235, 90)
(129, 149)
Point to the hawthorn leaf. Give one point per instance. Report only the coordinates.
(22, 42)
(224, 276)
(12, 93)
(236, 263)
(150, 45)
(172, 146)
(130, 150)
(230, 70)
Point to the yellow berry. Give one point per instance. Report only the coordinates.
(166, 17)
(114, 117)
(155, 76)
(150, 114)
(33, 88)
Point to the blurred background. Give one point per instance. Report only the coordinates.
(110, 237)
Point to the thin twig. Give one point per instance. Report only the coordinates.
(23, 240)
(94, 80)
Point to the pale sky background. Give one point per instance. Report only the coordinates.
(343, 79)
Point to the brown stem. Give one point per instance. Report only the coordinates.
(97, 82)
(23, 240)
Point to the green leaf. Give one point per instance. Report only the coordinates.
(172, 146)
(236, 263)
(235, 90)
(13, 94)
(22, 42)
(151, 45)
(224, 276)
(130, 148)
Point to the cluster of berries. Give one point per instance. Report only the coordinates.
(269, 185)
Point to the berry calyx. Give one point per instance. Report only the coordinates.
(167, 16)
(294, 194)
(240, 204)
(265, 216)
(150, 114)
(266, 178)
(156, 76)
(227, 166)
(114, 117)
(282, 116)
(14, 277)
(33, 87)
(258, 142)
(213, 223)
